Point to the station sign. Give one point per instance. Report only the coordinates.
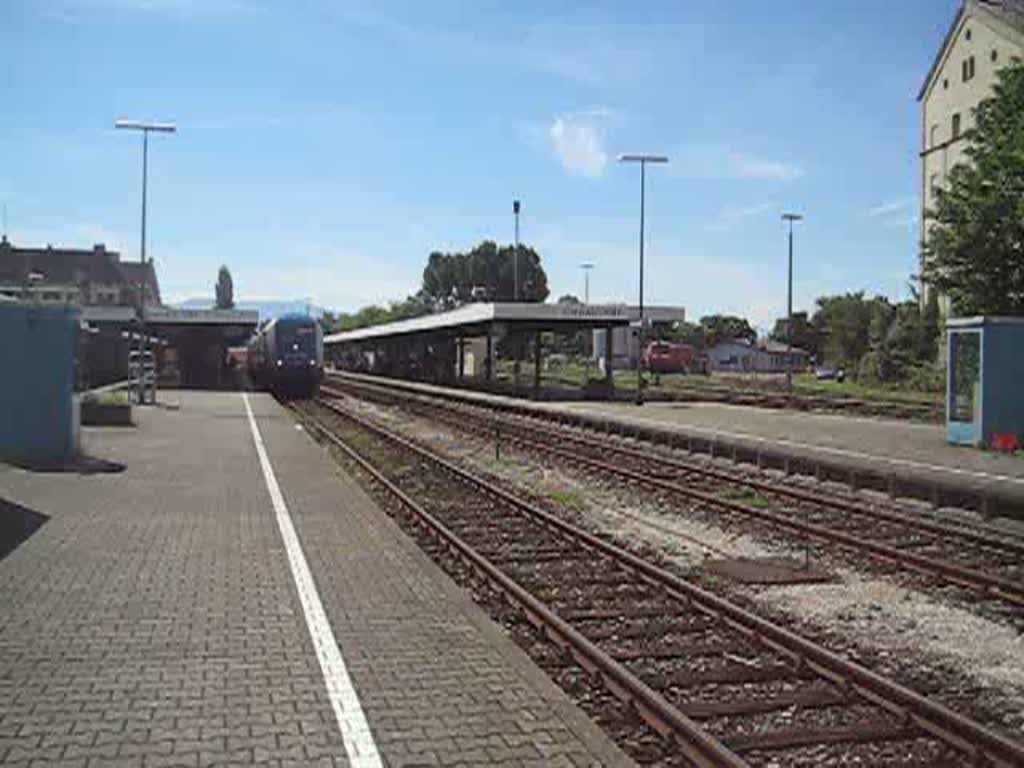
(202, 316)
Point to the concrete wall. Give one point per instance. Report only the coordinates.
(38, 417)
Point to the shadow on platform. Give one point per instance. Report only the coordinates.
(81, 465)
(17, 524)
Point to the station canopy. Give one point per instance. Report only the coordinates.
(480, 319)
(172, 316)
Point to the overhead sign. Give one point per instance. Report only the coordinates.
(202, 316)
(583, 311)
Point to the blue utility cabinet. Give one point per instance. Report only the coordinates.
(985, 379)
(38, 413)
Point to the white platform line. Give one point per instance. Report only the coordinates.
(355, 730)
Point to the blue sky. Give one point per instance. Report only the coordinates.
(325, 148)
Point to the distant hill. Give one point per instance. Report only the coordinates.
(267, 309)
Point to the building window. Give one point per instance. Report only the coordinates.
(934, 135)
(995, 55)
(945, 83)
(967, 68)
(956, 125)
(968, 35)
(933, 183)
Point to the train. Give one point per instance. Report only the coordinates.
(286, 356)
(672, 357)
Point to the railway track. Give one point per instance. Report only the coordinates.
(723, 686)
(766, 397)
(987, 564)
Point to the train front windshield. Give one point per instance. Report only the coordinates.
(298, 339)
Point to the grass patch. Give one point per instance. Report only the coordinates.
(745, 496)
(120, 397)
(570, 499)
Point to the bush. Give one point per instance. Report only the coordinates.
(928, 377)
(869, 371)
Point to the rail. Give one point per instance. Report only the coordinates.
(990, 498)
(967, 736)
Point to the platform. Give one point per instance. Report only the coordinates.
(163, 615)
(907, 457)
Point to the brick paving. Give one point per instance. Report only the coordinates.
(152, 620)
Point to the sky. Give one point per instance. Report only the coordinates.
(324, 149)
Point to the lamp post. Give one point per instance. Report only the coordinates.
(790, 217)
(643, 160)
(146, 129)
(515, 254)
(586, 267)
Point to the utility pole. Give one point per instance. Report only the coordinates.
(790, 217)
(515, 253)
(643, 160)
(586, 267)
(146, 129)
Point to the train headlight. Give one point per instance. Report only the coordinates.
(280, 363)
(312, 361)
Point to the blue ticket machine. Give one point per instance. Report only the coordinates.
(985, 379)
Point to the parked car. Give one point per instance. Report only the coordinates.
(829, 374)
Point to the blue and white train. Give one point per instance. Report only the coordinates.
(286, 356)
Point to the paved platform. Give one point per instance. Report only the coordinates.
(911, 454)
(162, 616)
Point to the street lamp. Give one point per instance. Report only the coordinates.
(790, 217)
(515, 254)
(586, 267)
(643, 160)
(146, 129)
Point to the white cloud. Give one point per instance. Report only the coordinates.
(730, 216)
(897, 206)
(750, 167)
(715, 162)
(578, 139)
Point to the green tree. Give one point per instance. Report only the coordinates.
(224, 290)
(931, 329)
(805, 335)
(373, 314)
(721, 327)
(844, 323)
(685, 333)
(975, 248)
(486, 273)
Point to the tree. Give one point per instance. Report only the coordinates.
(569, 299)
(224, 290)
(685, 333)
(722, 327)
(931, 328)
(486, 273)
(805, 335)
(413, 306)
(974, 252)
(843, 323)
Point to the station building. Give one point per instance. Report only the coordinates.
(190, 346)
